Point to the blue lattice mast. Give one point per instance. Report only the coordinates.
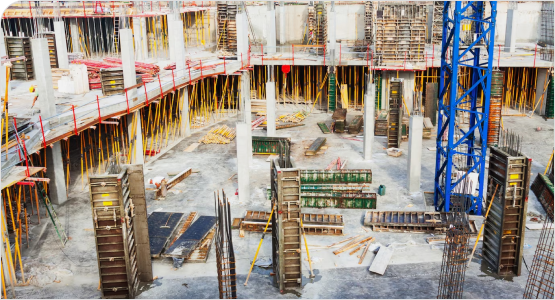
(461, 154)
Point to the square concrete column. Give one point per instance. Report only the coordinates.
(61, 47)
(246, 96)
(331, 33)
(369, 108)
(271, 108)
(74, 31)
(55, 171)
(511, 30)
(282, 22)
(179, 44)
(243, 151)
(171, 37)
(185, 126)
(416, 126)
(270, 28)
(383, 97)
(128, 62)
(242, 37)
(135, 133)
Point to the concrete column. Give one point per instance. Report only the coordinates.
(242, 37)
(246, 96)
(128, 61)
(282, 22)
(171, 37)
(271, 108)
(74, 29)
(511, 30)
(541, 85)
(61, 47)
(243, 150)
(416, 125)
(135, 134)
(47, 104)
(369, 108)
(179, 44)
(2, 45)
(331, 33)
(43, 76)
(3, 66)
(144, 39)
(185, 126)
(270, 28)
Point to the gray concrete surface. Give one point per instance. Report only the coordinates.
(413, 271)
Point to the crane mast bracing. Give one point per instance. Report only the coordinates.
(459, 154)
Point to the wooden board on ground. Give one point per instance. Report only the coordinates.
(189, 240)
(380, 262)
(192, 147)
(315, 147)
(161, 226)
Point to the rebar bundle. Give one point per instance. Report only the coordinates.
(225, 257)
(540, 280)
(455, 253)
(321, 28)
(369, 22)
(546, 39)
(509, 142)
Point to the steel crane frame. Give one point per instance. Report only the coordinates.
(462, 154)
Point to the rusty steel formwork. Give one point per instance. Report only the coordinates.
(412, 221)
(505, 225)
(225, 256)
(437, 23)
(400, 32)
(227, 26)
(321, 26)
(313, 224)
(286, 226)
(495, 102)
(455, 251)
(369, 20)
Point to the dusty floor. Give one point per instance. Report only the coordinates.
(71, 272)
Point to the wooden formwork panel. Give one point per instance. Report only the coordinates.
(412, 221)
(505, 224)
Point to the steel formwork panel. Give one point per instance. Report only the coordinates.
(505, 224)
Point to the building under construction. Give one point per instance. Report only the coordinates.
(364, 149)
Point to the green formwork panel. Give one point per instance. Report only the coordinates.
(267, 145)
(336, 176)
(549, 109)
(340, 188)
(359, 201)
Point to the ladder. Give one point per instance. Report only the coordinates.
(116, 34)
(52, 213)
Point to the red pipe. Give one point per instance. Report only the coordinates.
(188, 66)
(98, 104)
(161, 91)
(74, 120)
(146, 94)
(535, 51)
(42, 129)
(173, 80)
(127, 100)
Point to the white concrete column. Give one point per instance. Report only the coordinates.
(369, 108)
(383, 97)
(243, 151)
(271, 108)
(282, 22)
(171, 37)
(144, 39)
(74, 30)
(331, 33)
(135, 134)
(55, 171)
(61, 47)
(141, 39)
(43, 76)
(246, 96)
(416, 125)
(3, 66)
(185, 126)
(128, 61)
(510, 28)
(270, 28)
(2, 45)
(179, 44)
(242, 37)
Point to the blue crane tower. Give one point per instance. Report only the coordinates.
(468, 32)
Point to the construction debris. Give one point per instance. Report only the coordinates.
(380, 262)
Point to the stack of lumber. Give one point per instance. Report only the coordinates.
(294, 117)
(57, 75)
(258, 106)
(219, 135)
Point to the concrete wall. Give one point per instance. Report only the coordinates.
(528, 21)
(350, 21)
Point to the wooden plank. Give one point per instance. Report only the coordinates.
(17, 174)
(161, 227)
(192, 147)
(380, 262)
(364, 253)
(316, 145)
(187, 242)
